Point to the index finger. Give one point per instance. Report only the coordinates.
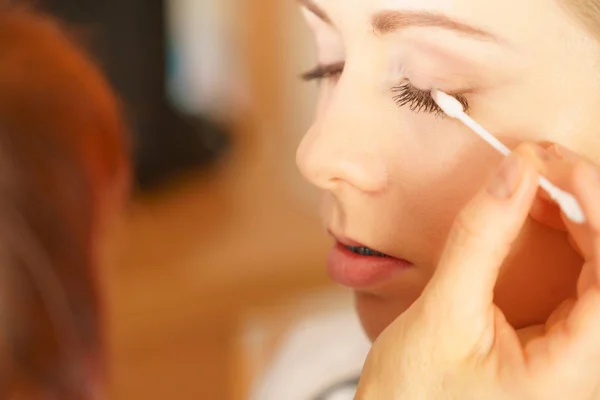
(461, 290)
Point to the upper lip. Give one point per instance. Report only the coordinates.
(344, 241)
(347, 242)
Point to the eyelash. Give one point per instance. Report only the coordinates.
(321, 72)
(405, 94)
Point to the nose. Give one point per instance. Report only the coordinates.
(343, 148)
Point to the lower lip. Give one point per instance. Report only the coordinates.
(361, 272)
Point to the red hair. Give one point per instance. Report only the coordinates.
(63, 164)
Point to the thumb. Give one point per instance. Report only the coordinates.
(460, 293)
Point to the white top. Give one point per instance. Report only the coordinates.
(321, 354)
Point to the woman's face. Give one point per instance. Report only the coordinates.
(394, 174)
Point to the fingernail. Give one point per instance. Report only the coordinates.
(505, 182)
(563, 153)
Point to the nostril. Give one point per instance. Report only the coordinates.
(365, 173)
(333, 172)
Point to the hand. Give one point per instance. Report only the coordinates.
(454, 343)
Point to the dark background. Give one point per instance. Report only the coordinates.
(128, 40)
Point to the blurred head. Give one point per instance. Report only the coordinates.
(395, 172)
(63, 175)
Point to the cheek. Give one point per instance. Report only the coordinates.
(433, 179)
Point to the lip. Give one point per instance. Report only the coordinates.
(346, 242)
(357, 271)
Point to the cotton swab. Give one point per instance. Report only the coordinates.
(454, 109)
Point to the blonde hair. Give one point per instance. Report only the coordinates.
(587, 12)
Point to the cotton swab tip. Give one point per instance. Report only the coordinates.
(566, 201)
(447, 103)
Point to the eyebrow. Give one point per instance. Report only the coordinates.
(315, 9)
(386, 22)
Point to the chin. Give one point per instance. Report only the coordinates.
(377, 313)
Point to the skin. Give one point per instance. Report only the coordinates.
(454, 343)
(395, 180)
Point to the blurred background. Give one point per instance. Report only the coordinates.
(218, 290)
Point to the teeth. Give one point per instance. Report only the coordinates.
(365, 251)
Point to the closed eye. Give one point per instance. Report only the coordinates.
(404, 93)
